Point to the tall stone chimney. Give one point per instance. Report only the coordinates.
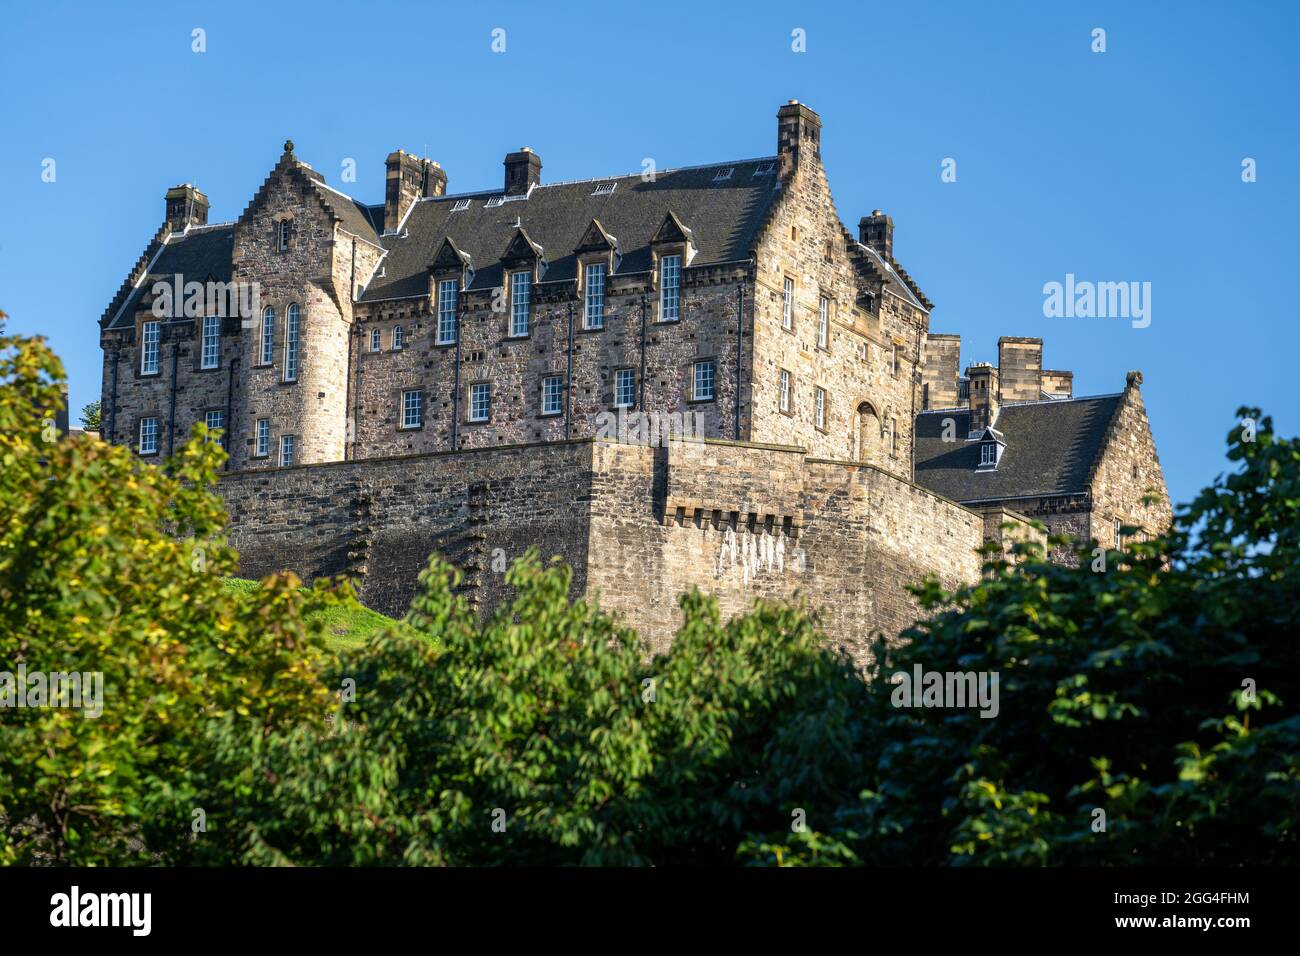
(186, 206)
(798, 134)
(983, 395)
(1058, 384)
(523, 171)
(1020, 369)
(939, 369)
(409, 178)
(877, 231)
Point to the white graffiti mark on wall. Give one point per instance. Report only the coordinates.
(755, 554)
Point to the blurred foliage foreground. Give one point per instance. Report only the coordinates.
(1147, 713)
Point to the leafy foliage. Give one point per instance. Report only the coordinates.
(1161, 693)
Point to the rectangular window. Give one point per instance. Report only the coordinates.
(412, 412)
(1119, 537)
(988, 454)
(670, 288)
(819, 411)
(283, 235)
(291, 345)
(787, 305)
(215, 420)
(521, 284)
(624, 388)
(702, 390)
(286, 451)
(211, 341)
(823, 322)
(263, 438)
(448, 289)
(399, 338)
(893, 437)
(480, 401)
(897, 359)
(149, 348)
(594, 315)
(268, 335)
(785, 391)
(148, 436)
(552, 395)
(376, 340)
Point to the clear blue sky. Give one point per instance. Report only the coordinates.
(1124, 165)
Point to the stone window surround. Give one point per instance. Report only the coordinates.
(541, 395)
(825, 346)
(509, 273)
(613, 387)
(469, 404)
(438, 278)
(794, 301)
(143, 319)
(605, 259)
(260, 341)
(284, 230)
(266, 453)
(137, 427)
(824, 395)
(788, 376)
(657, 255)
(690, 392)
(199, 324)
(402, 426)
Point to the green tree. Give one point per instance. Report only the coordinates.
(90, 416)
(113, 567)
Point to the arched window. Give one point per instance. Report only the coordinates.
(291, 344)
(267, 355)
(868, 431)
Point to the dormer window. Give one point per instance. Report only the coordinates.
(991, 448)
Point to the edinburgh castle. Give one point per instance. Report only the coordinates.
(475, 373)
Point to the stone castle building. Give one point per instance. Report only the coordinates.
(439, 372)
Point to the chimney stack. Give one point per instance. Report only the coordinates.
(1058, 384)
(941, 360)
(983, 396)
(1020, 369)
(523, 171)
(877, 231)
(186, 206)
(798, 134)
(409, 178)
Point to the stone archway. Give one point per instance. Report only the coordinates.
(867, 434)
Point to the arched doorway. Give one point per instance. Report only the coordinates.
(868, 432)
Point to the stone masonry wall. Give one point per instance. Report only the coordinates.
(748, 521)
(1128, 470)
(638, 525)
(379, 520)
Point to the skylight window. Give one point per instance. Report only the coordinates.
(603, 189)
(765, 170)
(494, 202)
(460, 206)
(724, 174)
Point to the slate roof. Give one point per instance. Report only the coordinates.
(357, 218)
(1051, 448)
(197, 254)
(724, 217)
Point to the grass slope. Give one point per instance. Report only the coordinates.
(346, 626)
